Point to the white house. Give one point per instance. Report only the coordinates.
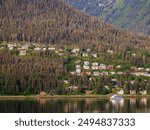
(51, 49)
(73, 88)
(96, 73)
(78, 66)
(22, 52)
(87, 63)
(147, 69)
(65, 82)
(132, 92)
(143, 92)
(11, 46)
(133, 54)
(86, 67)
(94, 64)
(78, 70)
(102, 66)
(88, 73)
(72, 73)
(37, 49)
(120, 92)
(1, 48)
(120, 72)
(26, 46)
(110, 51)
(112, 72)
(75, 51)
(85, 54)
(94, 55)
(104, 73)
(88, 50)
(118, 67)
(78, 61)
(44, 49)
(94, 67)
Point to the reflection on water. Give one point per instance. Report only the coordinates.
(44, 105)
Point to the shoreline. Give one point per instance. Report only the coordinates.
(70, 96)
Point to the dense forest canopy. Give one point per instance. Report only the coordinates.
(53, 21)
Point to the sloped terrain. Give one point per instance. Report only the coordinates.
(53, 21)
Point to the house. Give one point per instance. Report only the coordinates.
(110, 67)
(75, 51)
(86, 67)
(88, 73)
(96, 73)
(1, 48)
(112, 73)
(104, 73)
(78, 61)
(147, 69)
(118, 67)
(11, 46)
(72, 73)
(95, 66)
(133, 54)
(94, 55)
(120, 73)
(120, 92)
(110, 51)
(73, 88)
(106, 87)
(102, 66)
(89, 92)
(85, 54)
(22, 52)
(78, 66)
(86, 63)
(132, 92)
(44, 49)
(143, 92)
(147, 74)
(51, 48)
(42, 93)
(88, 50)
(65, 82)
(37, 49)
(60, 54)
(26, 46)
(78, 70)
(61, 50)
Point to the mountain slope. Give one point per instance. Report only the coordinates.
(130, 14)
(53, 21)
(92, 7)
(48, 21)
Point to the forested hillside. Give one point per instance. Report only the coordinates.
(52, 21)
(29, 75)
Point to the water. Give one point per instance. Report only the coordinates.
(88, 105)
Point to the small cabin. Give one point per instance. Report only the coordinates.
(89, 92)
(43, 93)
